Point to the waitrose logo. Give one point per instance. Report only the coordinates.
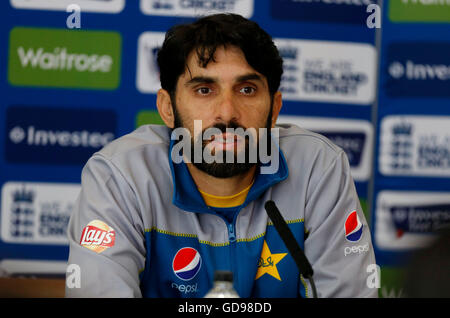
(64, 58)
(61, 60)
(419, 10)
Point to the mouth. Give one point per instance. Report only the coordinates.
(224, 141)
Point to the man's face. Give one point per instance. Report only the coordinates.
(228, 93)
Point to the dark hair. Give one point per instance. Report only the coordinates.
(210, 32)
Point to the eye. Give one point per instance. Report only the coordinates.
(247, 90)
(203, 90)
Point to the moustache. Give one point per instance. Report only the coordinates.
(221, 128)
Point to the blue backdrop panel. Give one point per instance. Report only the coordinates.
(412, 151)
(35, 170)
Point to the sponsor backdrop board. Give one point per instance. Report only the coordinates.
(67, 91)
(411, 181)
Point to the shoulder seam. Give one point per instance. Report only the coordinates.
(340, 153)
(318, 137)
(110, 162)
(126, 150)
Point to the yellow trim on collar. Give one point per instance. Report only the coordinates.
(228, 201)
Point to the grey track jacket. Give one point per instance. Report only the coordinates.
(140, 227)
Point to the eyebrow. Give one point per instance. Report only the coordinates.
(211, 80)
(249, 77)
(200, 79)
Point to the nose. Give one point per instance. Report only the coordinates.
(227, 109)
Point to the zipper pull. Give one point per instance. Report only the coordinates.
(231, 234)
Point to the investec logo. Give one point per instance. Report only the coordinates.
(42, 137)
(413, 71)
(56, 135)
(64, 58)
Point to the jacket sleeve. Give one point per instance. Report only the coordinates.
(338, 244)
(106, 240)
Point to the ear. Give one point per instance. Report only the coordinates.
(276, 107)
(164, 105)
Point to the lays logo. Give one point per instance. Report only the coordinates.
(97, 236)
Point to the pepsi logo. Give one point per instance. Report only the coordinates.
(186, 263)
(353, 227)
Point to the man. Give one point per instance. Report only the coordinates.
(148, 225)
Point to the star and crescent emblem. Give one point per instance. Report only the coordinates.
(268, 261)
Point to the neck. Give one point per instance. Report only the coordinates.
(221, 186)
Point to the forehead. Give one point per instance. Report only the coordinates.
(227, 62)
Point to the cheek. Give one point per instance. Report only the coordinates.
(191, 116)
(259, 118)
(189, 110)
(190, 122)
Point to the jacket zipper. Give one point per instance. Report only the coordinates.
(231, 233)
(231, 229)
(232, 240)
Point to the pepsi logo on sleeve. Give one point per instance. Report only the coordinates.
(353, 227)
